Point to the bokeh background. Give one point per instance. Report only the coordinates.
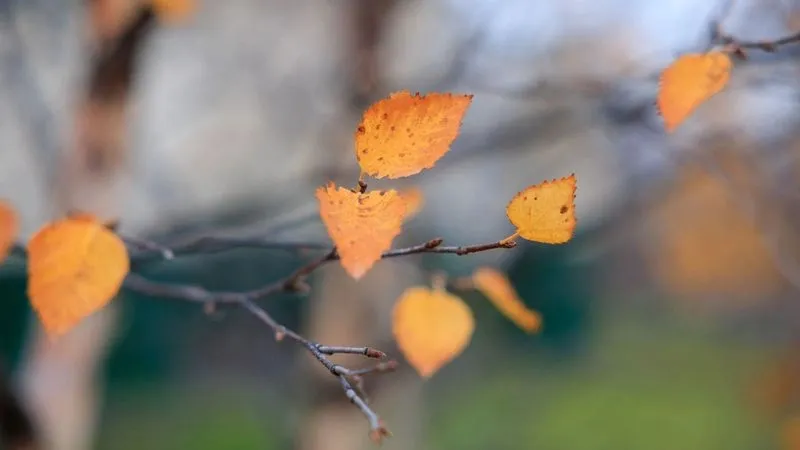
(671, 321)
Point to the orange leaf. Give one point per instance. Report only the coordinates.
(173, 11)
(545, 212)
(9, 227)
(688, 82)
(431, 328)
(414, 202)
(405, 134)
(790, 434)
(75, 267)
(498, 289)
(362, 226)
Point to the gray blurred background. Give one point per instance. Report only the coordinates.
(671, 321)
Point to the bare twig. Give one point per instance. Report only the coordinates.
(739, 47)
(148, 249)
(350, 380)
(291, 283)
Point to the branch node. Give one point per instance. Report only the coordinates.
(280, 334)
(339, 370)
(299, 286)
(433, 243)
(378, 434)
(374, 353)
(508, 244)
(767, 46)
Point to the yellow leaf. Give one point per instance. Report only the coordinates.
(405, 134)
(414, 199)
(431, 328)
(75, 267)
(498, 289)
(9, 227)
(545, 212)
(688, 82)
(173, 11)
(362, 226)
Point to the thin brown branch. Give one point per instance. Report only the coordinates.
(769, 46)
(350, 380)
(320, 352)
(146, 249)
(740, 47)
(293, 282)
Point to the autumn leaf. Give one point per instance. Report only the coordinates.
(431, 328)
(498, 289)
(688, 82)
(362, 226)
(414, 202)
(405, 134)
(173, 11)
(9, 228)
(545, 212)
(75, 267)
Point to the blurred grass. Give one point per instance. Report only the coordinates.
(174, 417)
(642, 386)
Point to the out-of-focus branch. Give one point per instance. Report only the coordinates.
(295, 282)
(368, 28)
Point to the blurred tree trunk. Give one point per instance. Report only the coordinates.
(345, 312)
(61, 383)
(17, 431)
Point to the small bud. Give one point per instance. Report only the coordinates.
(301, 287)
(433, 243)
(374, 353)
(280, 334)
(377, 434)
